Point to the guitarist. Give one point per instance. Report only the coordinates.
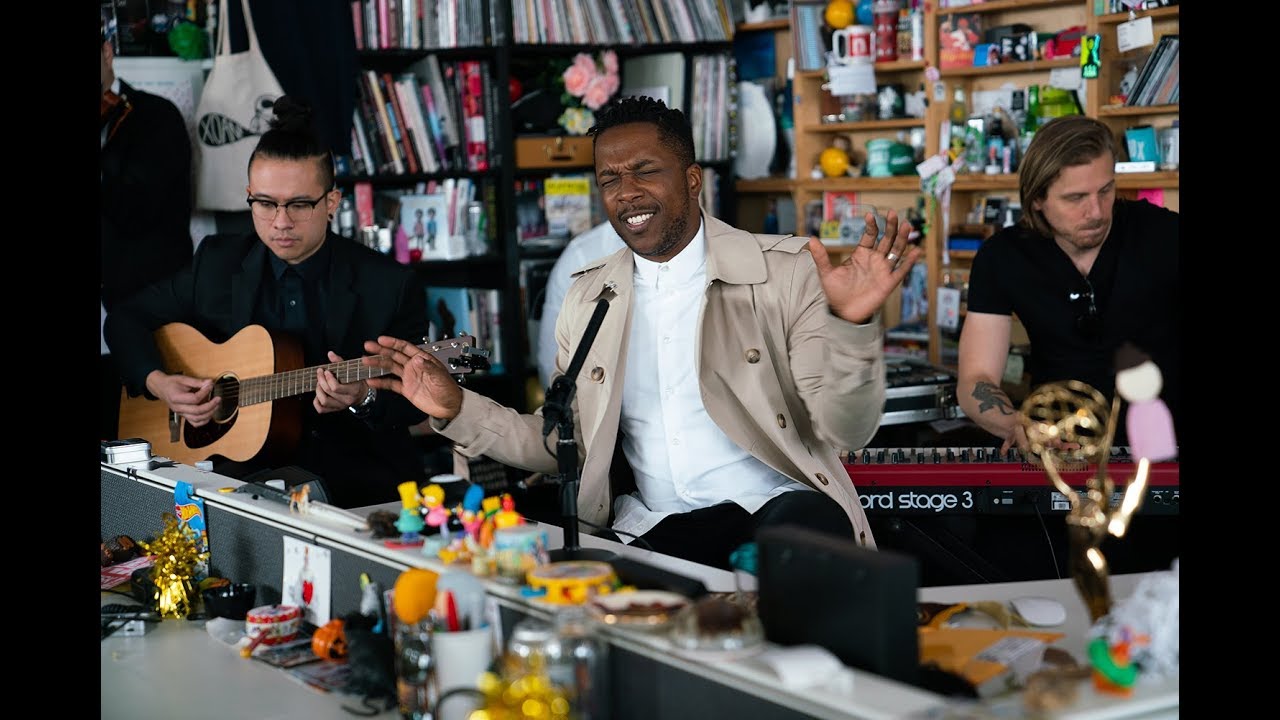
(295, 278)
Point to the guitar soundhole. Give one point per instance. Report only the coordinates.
(226, 387)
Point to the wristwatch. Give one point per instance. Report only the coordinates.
(362, 407)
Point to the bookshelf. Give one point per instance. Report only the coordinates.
(968, 191)
(507, 36)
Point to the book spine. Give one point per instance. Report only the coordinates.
(357, 22)
(384, 120)
(364, 204)
(399, 124)
(373, 129)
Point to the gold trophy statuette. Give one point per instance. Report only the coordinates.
(1069, 422)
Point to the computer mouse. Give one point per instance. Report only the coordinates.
(1040, 611)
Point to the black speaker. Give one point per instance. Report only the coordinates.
(820, 589)
(293, 477)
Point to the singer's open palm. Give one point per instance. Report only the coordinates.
(857, 287)
(417, 375)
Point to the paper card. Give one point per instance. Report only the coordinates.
(1134, 34)
(1066, 78)
(855, 79)
(948, 308)
(306, 579)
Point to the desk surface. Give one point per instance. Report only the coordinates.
(176, 670)
(141, 676)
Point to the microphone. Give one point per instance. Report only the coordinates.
(559, 399)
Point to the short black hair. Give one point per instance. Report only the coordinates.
(673, 126)
(293, 137)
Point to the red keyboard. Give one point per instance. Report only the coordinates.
(980, 480)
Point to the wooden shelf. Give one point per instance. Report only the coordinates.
(1132, 110)
(764, 185)
(1001, 5)
(974, 181)
(962, 254)
(865, 125)
(1011, 68)
(866, 184)
(1156, 14)
(891, 66)
(781, 23)
(1137, 181)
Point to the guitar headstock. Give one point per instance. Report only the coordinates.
(459, 353)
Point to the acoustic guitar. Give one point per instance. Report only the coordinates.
(251, 370)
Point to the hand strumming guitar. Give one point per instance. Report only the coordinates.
(191, 398)
(332, 395)
(416, 374)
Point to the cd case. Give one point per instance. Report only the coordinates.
(129, 450)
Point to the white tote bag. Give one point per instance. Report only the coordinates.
(234, 110)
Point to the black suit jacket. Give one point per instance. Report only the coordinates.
(146, 196)
(361, 460)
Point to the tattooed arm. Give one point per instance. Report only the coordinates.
(984, 348)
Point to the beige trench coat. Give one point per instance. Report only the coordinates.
(782, 377)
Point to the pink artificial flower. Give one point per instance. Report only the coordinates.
(597, 92)
(611, 83)
(576, 80)
(610, 62)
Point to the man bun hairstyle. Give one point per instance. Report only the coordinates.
(292, 136)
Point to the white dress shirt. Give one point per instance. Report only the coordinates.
(681, 459)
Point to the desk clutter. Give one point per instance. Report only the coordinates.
(433, 644)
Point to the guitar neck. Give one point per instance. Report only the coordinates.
(296, 382)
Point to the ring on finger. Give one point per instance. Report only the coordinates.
(891, 256)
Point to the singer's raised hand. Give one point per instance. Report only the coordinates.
(416, 374)
(857, 287)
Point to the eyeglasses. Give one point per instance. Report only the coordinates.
(1088, 322)
(297, 210)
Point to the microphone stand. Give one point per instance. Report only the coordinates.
(567, 458)
(557, 413)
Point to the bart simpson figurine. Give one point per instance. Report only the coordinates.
(410, 523)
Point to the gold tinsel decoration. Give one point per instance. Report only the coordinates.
(174, 570)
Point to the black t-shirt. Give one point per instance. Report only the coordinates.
(1135, 287)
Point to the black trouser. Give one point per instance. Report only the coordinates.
(109, 394)
(709, 535)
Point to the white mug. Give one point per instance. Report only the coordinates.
(854, 44)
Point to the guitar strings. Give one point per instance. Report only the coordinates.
(305, 377)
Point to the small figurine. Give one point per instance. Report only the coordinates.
(300, 499)
(1150, 424)
(507, 516)
(433, 501)
(410, 523)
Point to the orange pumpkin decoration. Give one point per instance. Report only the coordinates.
(330, 642)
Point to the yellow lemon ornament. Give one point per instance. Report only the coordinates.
(839, 14)
(834, 162)
(414, 594)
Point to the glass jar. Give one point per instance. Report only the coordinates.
(413, 668)
(577, 660)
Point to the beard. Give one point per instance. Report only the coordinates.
(672, 235)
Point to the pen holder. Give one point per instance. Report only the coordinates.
(460, 658)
